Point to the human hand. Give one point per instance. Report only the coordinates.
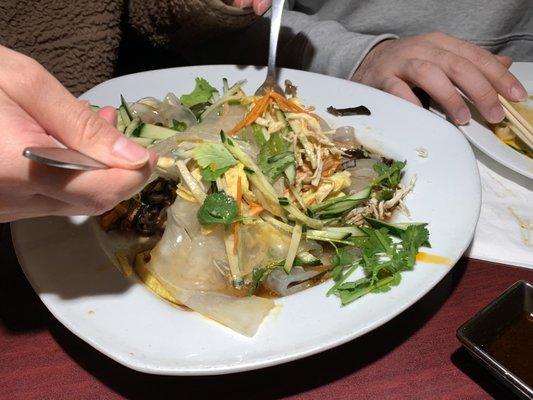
(438, 63)
(259, 6)
(36, 110)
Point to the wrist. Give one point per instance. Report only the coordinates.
(370, 56)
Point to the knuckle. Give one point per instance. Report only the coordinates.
(89, 127)
(391, 84)
(453, 99)
(503, 74)
(438, 53)
(483, 58)
(463, 48)
(486, 95)
(458, 66)
(421, 67)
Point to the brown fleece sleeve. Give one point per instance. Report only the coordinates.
(77, 41)
(183, 24)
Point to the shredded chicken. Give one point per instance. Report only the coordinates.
(315, 179)
(382, 209)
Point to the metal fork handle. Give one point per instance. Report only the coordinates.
(275, 25)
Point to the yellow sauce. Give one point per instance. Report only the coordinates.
(433, 259)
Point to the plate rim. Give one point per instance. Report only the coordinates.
(501, 160)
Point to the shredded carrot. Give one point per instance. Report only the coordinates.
(257, 111)
(255, 209)
(261, 106)
(284, 104)
(288, 106)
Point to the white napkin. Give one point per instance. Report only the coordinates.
(504, 233)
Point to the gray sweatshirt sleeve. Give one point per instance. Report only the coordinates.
(306, 42)
(323, 46)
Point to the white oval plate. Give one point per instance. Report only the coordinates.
(125, 321)
(486, 141)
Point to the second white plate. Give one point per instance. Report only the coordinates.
(486, 141)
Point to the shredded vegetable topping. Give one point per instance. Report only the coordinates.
(268, 201)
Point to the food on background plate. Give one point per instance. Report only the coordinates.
(256, 197)
(506, 130)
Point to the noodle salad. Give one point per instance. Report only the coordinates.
(255, 198)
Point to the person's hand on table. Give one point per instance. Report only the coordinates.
(438, 63)
(35, 109)
(259, 6)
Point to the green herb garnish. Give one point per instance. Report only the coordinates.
(218, 208)
(389, 176)
(214, 160)
(202, 93)
(382, 261)
(211, 175)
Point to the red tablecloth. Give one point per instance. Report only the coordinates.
(414, 356)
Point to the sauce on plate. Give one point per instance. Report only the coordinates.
(432, 258)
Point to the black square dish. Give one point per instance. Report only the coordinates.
(501, 337)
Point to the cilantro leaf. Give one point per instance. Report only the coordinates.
(383, 285)
(382, 260)
(202, 92)
(343, 260)
(378, 241)
(343, 256)
(210, 175)
(412, 239)
(214, 160)
(218, 208)
(414, 236)
(389, 176)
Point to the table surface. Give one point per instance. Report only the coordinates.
(414, 356)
